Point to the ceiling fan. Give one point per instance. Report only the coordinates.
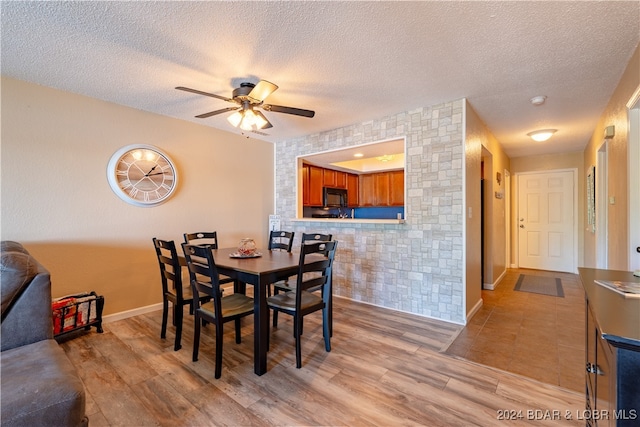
(250, 96)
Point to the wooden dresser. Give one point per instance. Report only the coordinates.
(612, 351)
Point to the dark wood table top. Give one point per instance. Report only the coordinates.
(268, 262)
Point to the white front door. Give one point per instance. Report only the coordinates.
(546, 221)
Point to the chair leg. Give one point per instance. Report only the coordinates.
(219, 337)
(238, 332)
(326, 328)
(178, 319)
(297, 326)
(196, 337)
(275, 311)
(175, 310)
(165, 313)
(330, 307)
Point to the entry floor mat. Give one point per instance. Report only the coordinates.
(540, 285)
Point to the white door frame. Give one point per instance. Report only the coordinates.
(633, 114)
(602, 207)
(574, 254)
(507, 217)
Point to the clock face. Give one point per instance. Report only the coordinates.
(142, 175)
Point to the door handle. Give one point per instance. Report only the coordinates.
(521, 225)
(638, 249)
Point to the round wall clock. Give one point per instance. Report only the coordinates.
(142, 175)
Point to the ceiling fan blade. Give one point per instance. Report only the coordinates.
(268, 125)
(213, 113)
(199, 92)
(263, 89)
(289, 110)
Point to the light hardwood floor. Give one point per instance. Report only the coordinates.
(385, 369)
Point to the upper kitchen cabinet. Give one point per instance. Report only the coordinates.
(382, 189)
(396, 188)
(312, 180)
(334, 179)
(352, 189)
(368, 193)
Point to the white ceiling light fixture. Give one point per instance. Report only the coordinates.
(542, 134)
(538, 100)
(385, 158)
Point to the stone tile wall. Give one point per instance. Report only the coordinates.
(417, 267)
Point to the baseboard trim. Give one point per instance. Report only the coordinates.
(130, 313)
(494, 285)
(474, 310)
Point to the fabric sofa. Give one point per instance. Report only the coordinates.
(40, 386)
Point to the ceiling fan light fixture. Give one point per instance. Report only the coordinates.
(542, 134)
(235, 119)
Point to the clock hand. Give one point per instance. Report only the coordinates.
(147, 174)
(157, 173)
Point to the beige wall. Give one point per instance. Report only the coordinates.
(549, 162)
(484, 148)
(56, 199)
(618, 178)
(473, 249)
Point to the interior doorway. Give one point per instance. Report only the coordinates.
(486, 219)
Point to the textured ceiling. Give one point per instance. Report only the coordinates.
(349, 61)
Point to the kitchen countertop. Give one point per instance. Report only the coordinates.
(351, 220)
(617, 315)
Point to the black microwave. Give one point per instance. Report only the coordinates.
(335, 198)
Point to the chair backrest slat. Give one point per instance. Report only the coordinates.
(202, 238)
(169, 263)
(322, 267)
(316, 237)
(281, 240)
(203, 274)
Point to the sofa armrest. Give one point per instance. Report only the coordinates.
(29, 318)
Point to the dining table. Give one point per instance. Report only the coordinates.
(259, 271)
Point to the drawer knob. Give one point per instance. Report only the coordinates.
(594, 369)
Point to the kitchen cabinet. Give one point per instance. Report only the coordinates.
(305, 185)
(329, 178)
(352, 189)
(312, 177)
(396, 188)
(612, 351)
(334, 179)
(382, 189)
(367, 190)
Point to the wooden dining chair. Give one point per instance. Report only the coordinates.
(282, 240)
(220, 309)
(208, 238)
(305, 301)
(289, 284)
(173, 289)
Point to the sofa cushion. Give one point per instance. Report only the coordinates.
(17, 269)
(40, 387)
